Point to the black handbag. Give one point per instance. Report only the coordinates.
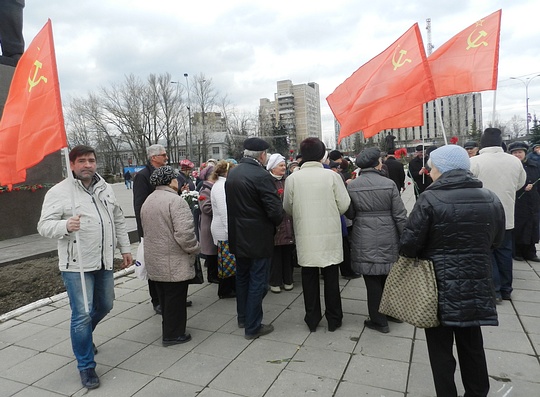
(199, 278)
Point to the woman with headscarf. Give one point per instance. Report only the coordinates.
(455, 223)
(208, 248)
(379, 216)
(226, 261)
(170, 250)
(281, 271)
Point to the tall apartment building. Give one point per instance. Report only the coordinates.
(459, 113)
(296, 109)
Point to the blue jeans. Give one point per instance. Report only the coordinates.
(502, 266)
(252, 277)
(100, 291)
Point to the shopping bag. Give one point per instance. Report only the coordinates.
(199, 278)
(140, 267)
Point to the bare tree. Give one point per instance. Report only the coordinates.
(516, 127)
(204, 95)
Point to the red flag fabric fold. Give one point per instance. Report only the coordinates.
(32, 125)
(469, 61)
(386, 92)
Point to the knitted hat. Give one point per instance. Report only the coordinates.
(312, 149)
(450, 157)
(162, 176)
(518, 146)
(368, 158)
(274, 160)
(491, 137)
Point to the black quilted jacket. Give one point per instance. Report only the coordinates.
(455, 223)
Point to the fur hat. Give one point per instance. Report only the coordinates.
(491, 137)
(450, 157)
(518, 146)
(368, 158)
(256, 144)
(312, 149)
(162, 176)
(470, 144)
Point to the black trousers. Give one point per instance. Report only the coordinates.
(472, 360)
(374, 287)
(345, 266)
(172, 297)
(11, 32)
(312, 296)
(211, 263)
(152, 290)
(281, 270)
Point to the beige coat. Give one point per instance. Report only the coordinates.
(315, 198)
(170, 244)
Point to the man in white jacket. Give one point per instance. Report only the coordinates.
(315, 198)
(504, 176)
(100, 224)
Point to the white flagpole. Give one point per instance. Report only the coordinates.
(439, 116)
(77, 244)
(494, 108)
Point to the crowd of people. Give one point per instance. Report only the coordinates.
(258, 218)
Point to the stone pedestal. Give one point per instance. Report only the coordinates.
(20, 210)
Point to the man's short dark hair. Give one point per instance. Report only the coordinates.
(80, 150)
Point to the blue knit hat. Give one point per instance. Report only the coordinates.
(450, 157)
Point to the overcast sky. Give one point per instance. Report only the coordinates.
(246, 46)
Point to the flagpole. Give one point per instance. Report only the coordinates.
(78, 244)
(494, 107)
(439, 115)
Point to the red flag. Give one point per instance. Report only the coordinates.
(469, 61)
(32, 125)
(386, 92)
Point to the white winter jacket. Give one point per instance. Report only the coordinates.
(102, 224)
(219, 224)
(315, 198)
(501, 173)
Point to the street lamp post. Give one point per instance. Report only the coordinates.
(188, 148)
(526, 82)
(189, 115)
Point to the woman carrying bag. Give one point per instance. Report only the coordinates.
(455, 223)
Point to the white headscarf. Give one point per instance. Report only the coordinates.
(274, 160)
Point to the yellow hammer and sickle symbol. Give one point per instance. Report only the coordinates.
(400, 62)
(33, 82)
(474, 43)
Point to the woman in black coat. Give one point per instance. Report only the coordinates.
(526, 216)
(455, 223)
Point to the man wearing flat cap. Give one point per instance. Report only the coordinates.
(504, 175)
(254, 211)
(471, 147)
(419, 172)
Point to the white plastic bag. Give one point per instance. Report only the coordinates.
(140, 267)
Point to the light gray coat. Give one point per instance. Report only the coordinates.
(170, 244)
(379, 216)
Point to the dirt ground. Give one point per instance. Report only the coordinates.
(26, 282)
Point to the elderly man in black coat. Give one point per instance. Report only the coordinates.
(254, 211)
(396, 171)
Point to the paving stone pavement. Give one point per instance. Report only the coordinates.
(36, 357)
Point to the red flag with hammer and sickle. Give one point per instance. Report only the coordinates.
(469, 61)
(32, 125)
(386, 92)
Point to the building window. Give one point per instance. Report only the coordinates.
(182, 152)
(215, 151)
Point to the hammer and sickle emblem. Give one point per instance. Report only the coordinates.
(474, 43)
(33, 82)
(400, 62)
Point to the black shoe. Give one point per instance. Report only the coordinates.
(241, 325)
(393, 319)
(506, 297)
(177, 341)
(498, 300)
(518, 258)
(265, 329)
(213, 280)
(535, 259)
(157, 309)
(332, 328)
(229, 295)
(95, 348)
(352, 276)
(381, 328)
(189, 303)
(89, 378)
